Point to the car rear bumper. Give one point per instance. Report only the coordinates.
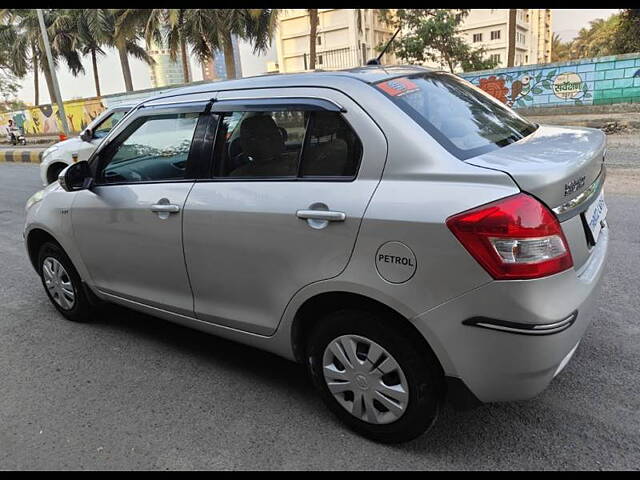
(506, 340)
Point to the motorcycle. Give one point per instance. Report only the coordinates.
(15, 136)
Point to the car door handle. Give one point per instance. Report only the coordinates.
(326, 215)
(165, 208)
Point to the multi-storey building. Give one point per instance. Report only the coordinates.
(511, 36)
(216, 69)
(165, 71)
(345, 38)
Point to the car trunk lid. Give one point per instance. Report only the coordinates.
(556, 164)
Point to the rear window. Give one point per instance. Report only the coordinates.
(462, 118)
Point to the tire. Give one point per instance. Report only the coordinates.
(54, 171)
(79, 310)
(418, 367)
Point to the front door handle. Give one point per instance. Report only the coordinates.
(327, 215)
(163, 207)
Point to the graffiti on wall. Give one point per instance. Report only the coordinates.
(44, 119)
(517, 89)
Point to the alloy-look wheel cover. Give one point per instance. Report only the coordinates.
(58, 282)
(365, 379)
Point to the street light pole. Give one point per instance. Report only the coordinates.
(52, 69)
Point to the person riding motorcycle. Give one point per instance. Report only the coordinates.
(14, 134)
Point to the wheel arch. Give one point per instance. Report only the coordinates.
(51, 169)
(35, 239)
(318, 306)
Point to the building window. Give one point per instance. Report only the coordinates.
(319, 40)
(495, 35)
(319, 59)
(495, 57)
(477, 37)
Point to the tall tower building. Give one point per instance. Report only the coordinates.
(216, 69)
(165, 71)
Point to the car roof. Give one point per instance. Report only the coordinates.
(368, 74)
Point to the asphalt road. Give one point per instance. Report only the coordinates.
(133, 392)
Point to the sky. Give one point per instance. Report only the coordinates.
(566, 23)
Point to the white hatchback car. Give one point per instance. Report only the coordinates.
(58, 156)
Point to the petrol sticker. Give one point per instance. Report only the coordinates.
(395, 262)
(398, 87)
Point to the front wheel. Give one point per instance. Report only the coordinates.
(62, 283)
(375, 376)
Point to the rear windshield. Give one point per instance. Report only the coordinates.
(459, 116)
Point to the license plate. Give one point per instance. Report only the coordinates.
(595, 215)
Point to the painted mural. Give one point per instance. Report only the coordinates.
(518, 89)
(589, 81)
(44, 119)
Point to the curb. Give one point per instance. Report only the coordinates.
(20, 156)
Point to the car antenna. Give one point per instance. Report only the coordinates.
(376, 61)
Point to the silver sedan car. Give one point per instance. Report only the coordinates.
(401, 233)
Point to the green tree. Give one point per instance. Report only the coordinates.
(560, 51)
(95, 27)
(130, 26)
(597, 39)
(255, 25)
(434, 35)
(26, 52)
(627, 36)
(9, 88)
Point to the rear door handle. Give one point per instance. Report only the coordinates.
(326, 215)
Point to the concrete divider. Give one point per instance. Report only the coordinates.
(20, 156)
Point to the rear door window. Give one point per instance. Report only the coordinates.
(465, 120)
(286, 144)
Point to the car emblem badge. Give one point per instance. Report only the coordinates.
(574, 185)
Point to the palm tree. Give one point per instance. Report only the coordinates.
(94, 27)
(560, 51)
(255, 25)
(27, 50)
(175, 19)
(129, 27)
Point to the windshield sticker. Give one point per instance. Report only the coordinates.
(398, 87)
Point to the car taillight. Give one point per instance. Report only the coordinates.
(513, 238)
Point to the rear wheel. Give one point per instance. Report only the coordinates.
(376, 378)
(62, 283)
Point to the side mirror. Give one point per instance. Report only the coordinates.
(76, 176)
(86, 135)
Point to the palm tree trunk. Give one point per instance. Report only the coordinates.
(313, 33)
(126, 71)
(96, 78)
(229, 60)
(511, 46)
(185, 59)
(36, 83)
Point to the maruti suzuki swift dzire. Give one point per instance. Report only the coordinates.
(404, 235)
